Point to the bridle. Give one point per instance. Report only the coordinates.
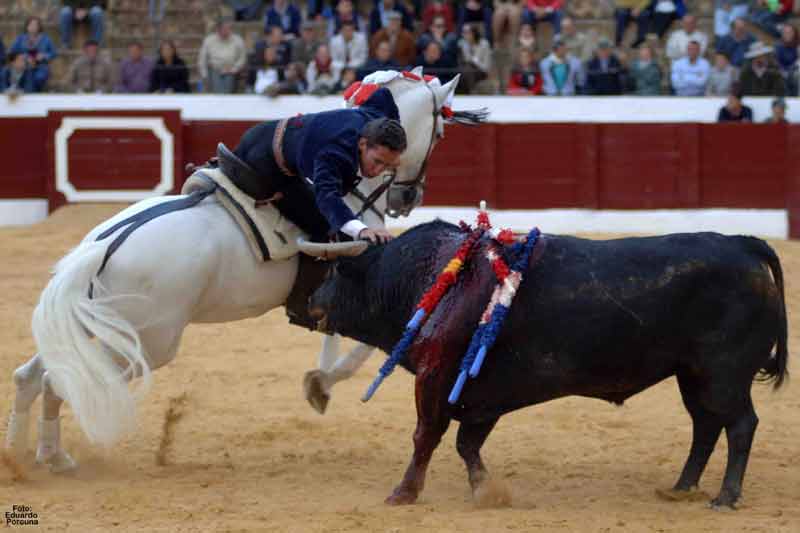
(402, 195)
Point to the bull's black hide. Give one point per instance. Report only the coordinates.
(603, 319)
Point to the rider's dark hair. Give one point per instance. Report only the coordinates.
(385, 132)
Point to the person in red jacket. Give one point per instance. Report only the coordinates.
(436, 8)
(537, 11)
(525, 80)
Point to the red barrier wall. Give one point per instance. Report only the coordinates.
(512, 166)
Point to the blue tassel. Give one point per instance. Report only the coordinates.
(416, 319)
(476, 366)
(456, 392)
(373, 387)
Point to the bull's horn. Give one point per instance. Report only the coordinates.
(331, 250)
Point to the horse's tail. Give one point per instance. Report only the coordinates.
(775, 368)
(89, 349)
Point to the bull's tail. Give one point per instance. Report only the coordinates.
(775, 369)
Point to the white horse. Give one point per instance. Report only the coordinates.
(193, 265)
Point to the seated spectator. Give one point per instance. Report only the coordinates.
(760, 77)
(786, 55)
(476, 57)
(285, 14)
(770, 15)
(39, 50)
(525, 39)
(344, 12)
(379, 18)
(273, 38)
(170, 74)
(401, 41)
(349, 48)
(736, 43)
(690, 74)
(349, 76)
(605, 75)
(438, 8)
(625, 12)
(380, 59)
(722, 77)
(778, 112)
(507, 14)
(270, 73)
(90, 73)
(537, 11)
(435, 63)
(245, 9)
(302, 48)
(561, 72)
(294, 81)
(645, 73)
(222, 57)
(322, 75)
(725, 13)
(475, 12)
(134, 71)
(78, 12)
(16, 77)
(734, 110)
(525, 79)
(660, 14)
(438, 32)
(576, 42)
(678, 41)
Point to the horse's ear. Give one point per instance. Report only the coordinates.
(445, 93)
(417, 71)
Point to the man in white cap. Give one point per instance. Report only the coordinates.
(760, 77)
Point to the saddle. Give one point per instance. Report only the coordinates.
(243, 176)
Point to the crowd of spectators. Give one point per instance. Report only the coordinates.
(320, 47)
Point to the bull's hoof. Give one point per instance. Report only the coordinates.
(724, 502)
(59, 462)
(315, 392)
(402, 496)
(681, 495)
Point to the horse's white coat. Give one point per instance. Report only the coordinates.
(189, 266)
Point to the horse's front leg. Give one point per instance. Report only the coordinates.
(317, 384)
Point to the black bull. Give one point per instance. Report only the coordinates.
(602, 319)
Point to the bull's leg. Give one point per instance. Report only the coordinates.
(469, 442)
(432, 423)
(49, 450)
(740, 434)
(28, 381)
(706, 427)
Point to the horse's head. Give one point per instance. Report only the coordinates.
(424, 106)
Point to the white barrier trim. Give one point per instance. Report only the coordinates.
(503, 109)
(770, 223)
(21, 212)
(70, 125)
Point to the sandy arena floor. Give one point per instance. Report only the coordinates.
(249, 454)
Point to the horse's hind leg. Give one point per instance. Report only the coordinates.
(49, 449)
(28, 382)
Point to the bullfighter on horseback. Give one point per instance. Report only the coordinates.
(306, 164)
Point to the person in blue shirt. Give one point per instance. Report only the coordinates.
(306, 164)
(286, 15)
(16, 76)
(39, 49)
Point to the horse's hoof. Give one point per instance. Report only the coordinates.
(58, 462)
(402, 496)
(315, 392)
(17, 435)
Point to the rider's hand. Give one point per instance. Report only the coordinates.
(375, 235)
